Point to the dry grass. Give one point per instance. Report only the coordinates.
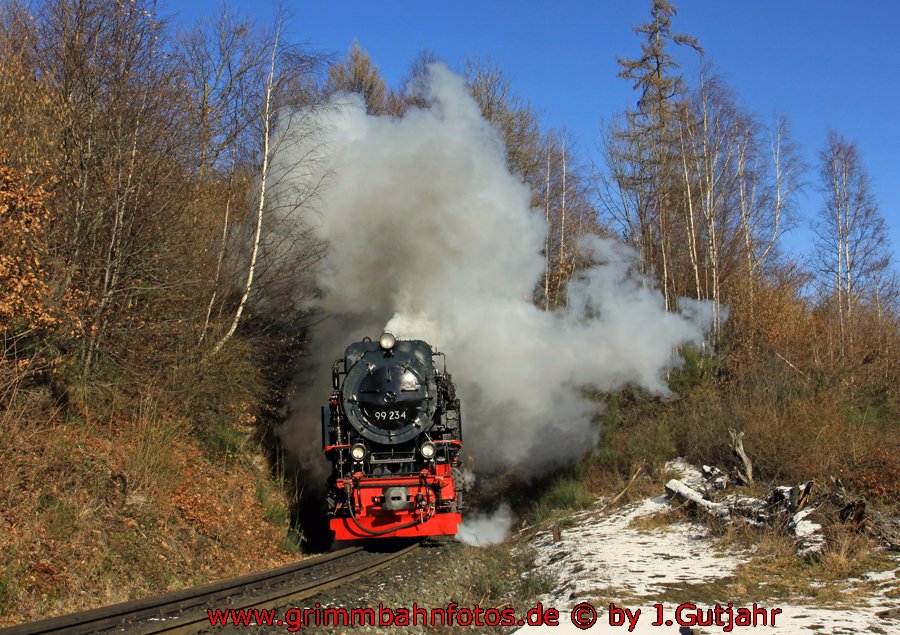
(101, 507)
(796, 428)
(657, 521)
(815, 435)
(774, 570)
(153, 472)
(565, 494)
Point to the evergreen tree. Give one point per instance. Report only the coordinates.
(357, 74)
(648, 139)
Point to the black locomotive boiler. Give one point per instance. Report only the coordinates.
(393, 433)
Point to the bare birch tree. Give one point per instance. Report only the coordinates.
(547, 237)
(717, 140)
(767, 186)
(562, 229)
(224, 61)
(266, 118)
(853, 248)
(686, 134)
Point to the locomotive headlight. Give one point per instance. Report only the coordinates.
(358, 452)
(428, 449)
(387, 341)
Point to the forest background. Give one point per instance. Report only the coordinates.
(140, 381)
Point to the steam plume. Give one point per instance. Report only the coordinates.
(430, 235)
(482, 530)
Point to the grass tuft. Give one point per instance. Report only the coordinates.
(566, 493)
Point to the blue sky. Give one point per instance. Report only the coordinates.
(826, 64)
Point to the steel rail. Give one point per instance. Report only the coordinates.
(184, 611)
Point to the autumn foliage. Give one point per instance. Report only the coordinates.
(130, 162)
(24, 291)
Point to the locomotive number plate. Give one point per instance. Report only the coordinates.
(390, 415)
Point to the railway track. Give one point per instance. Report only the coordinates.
(182, 612)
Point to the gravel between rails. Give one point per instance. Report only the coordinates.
(439, 572)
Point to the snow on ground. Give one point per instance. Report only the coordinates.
(601, 555)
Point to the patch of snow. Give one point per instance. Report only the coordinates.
(601, 555)
(607, 553)
(690, 475)
(809, 534)
(882, 576)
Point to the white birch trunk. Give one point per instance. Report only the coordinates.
(248, 285)
(689, 212)
(219, 259)
(547, 239)
(562, 230)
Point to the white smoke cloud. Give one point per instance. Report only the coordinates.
(430, 235)
(484, 529)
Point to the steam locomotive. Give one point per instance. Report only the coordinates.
(393, 433)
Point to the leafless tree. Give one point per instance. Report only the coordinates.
(224, 63)
(622, 200)
(409, 94)
(852, 246)
(569, 213)
(547, 238)
(686, 134)
(118, 93)
(266, 118)
(516, 120)
(276, 239)
(768, 183)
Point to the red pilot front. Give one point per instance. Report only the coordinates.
(393, 432)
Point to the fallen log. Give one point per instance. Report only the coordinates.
(889, 613)
(783, 507)
(810, 539)
(692, 498)
(717, 479)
